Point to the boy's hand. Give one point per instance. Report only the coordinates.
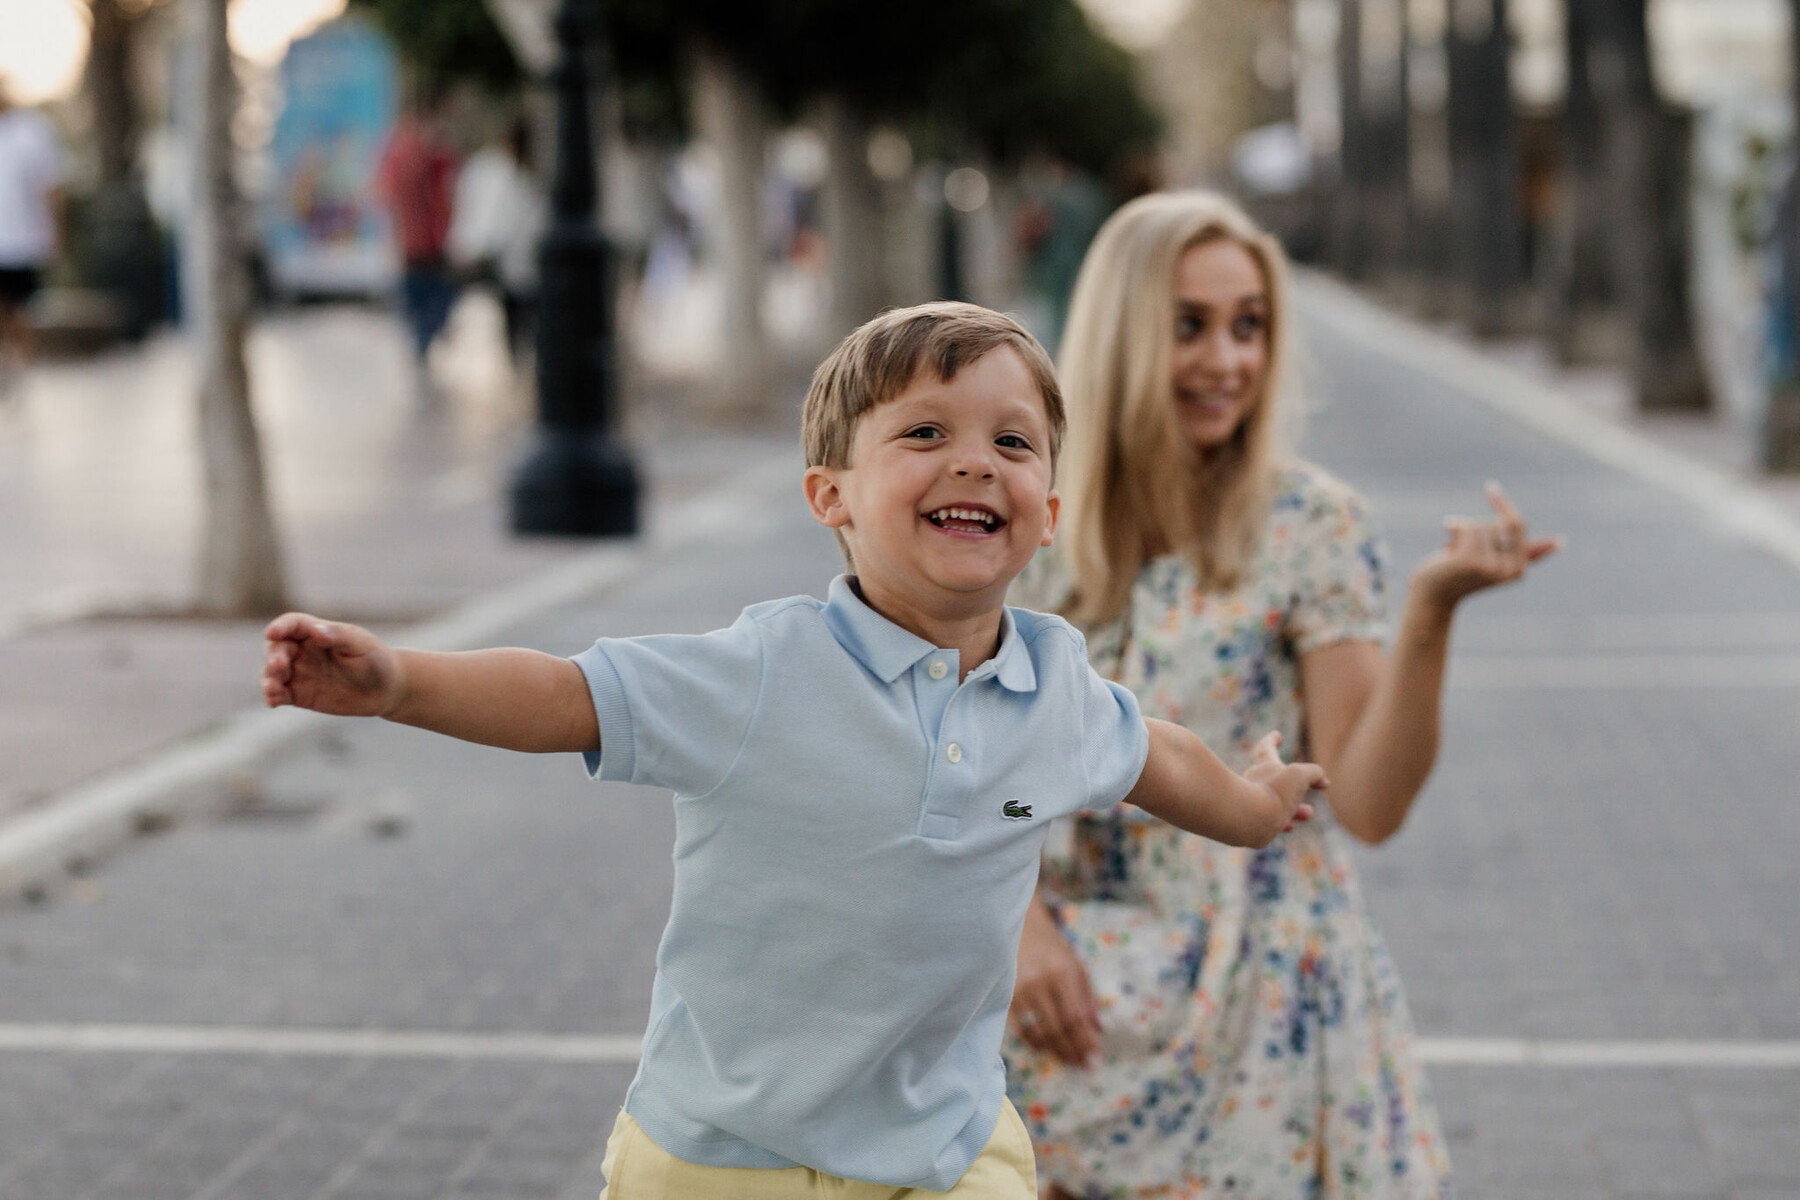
(329, 666)
(1186, 785)
(1291, 783)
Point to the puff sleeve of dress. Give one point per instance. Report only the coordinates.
(1338, 564)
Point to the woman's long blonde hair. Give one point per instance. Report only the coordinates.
(1135, 485)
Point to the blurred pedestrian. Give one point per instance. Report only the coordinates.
(1190, 1019)
(417, 177)
(499, 217)
(31, 222)
(1054, 228)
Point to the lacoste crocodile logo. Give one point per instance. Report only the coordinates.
(1012, 810)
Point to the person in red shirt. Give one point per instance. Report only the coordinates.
(417, 178)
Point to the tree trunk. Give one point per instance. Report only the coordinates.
(729, 115)
(1578, 290)
(1644, 155)
(123, 256)
(853, 219)
(1781, 421)
(1488, 244)
(240, 559)
(1386, 213)
(1430, 263)
(1346, 241)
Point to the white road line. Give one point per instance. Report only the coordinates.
(1576, 672)
(91, 819)
(624, 1049)
(315, 1043)
(1734, 504)
(1566, 1053)
(1591, 633)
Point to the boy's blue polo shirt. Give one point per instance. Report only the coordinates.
(856, 843)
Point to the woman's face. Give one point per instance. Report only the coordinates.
(1221, 339)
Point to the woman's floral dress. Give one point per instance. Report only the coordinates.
(1256, 1042)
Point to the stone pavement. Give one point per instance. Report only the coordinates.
(1605, 852)
(387, 509)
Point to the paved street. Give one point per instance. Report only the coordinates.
(387, 510)
(1606, 852)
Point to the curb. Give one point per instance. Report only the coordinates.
(1733, 504)
(70, 831)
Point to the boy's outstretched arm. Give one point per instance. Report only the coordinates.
(1186, 785)
(515, 699)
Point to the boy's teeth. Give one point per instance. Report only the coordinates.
(963, 514)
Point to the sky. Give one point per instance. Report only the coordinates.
(43, 42)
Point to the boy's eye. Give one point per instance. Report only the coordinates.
(922, 431)
(1012, 441)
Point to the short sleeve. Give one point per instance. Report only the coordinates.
(1115, 741)
(1339, 571)
(673, 709)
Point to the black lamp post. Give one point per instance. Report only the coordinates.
(579, 478)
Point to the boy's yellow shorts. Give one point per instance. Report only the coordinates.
(638, 1169)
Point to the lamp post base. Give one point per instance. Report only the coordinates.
(577, 483)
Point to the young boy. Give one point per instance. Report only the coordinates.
(862, 788)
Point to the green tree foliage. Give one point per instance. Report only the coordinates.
(447, 42)
(1006, 76)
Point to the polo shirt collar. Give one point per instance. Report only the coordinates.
(890, 651)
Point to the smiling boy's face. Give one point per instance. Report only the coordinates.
(948, 492)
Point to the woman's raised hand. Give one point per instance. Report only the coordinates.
(1482, 554)
(329, 666)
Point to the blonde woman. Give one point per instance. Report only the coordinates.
(1193, 1020)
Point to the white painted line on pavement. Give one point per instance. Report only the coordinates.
(1735, 505)
(1611, 633)
(1571, 672)
(86, 821)
(624, 1049)
(51, 608)
(1565, 1053)
(313, 1043)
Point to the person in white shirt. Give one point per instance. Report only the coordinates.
(31, 217)
(497, 219)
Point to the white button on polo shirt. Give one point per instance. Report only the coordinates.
(953, 752)
(938, 670)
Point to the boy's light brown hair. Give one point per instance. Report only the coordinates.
(881, 359)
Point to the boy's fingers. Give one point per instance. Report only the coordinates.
(1543, 548)
(290, 626)
(1269, 746)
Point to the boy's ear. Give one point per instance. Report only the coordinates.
(1054, 503)
(825, 498)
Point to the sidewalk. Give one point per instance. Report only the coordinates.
(391, 513)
